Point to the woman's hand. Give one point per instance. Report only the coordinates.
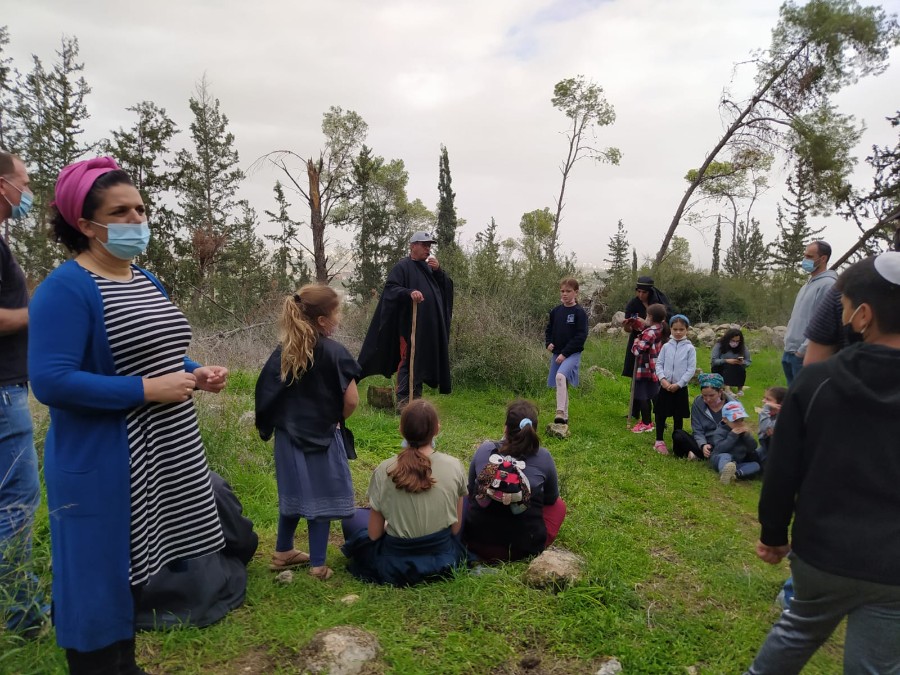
(707, 449)
(733, 362)
(211, 378)
(170, 388)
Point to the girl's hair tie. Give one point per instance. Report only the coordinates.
(525, 423)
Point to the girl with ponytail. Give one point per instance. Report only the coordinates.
(304, 393)
(409, 533)
(514, 508)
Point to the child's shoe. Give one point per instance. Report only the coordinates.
(660, 447)
(648, 428)
(638, 428)
(728, 473)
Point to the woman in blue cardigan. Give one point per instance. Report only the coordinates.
(128, 485)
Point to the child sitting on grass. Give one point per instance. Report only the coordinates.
(674, 368)
(768, 415)
(409, 534)
(735, 455)
(564, 338)
(645, 383)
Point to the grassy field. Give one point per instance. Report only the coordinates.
(672, 583)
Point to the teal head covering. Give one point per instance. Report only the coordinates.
(713, 380)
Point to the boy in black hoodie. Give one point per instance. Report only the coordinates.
(835, 467)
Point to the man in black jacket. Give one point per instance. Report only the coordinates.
(416, 280)
(835, 467)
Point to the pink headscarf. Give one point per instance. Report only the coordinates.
(75, 181)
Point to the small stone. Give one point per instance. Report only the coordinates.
(285, 577)
(558, 430)
(350, 599)
(530, 662)
(607, 374)
(343, 650)
(611, 667)
(554, 568)
(618, 319)
(247, 419)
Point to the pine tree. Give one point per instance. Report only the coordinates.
(618, 252)
(794, 231)
(446, 211)
(488, 267)
(717, 248)
(207, 184)
(634, 266)
(143, 151)
(241, 277)
(9, 84)
(50, 112)
(289, 270)
(746, 258)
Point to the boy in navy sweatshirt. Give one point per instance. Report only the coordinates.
(564, 338)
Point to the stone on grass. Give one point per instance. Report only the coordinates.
(380, 397)
(343, 650)
(247, 419)
(613, 331)
(284, 577)
(611, 667)
(558, 430)
(350, 599)
(600, 328)
(618, 319)
(707, 336)
(554, 568)
(607, 374)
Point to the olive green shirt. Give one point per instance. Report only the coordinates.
(409, 515)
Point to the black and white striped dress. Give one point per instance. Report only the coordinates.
(173, 513)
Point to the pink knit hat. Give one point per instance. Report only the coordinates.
(75, 181)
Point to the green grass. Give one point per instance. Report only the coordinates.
(672, 580)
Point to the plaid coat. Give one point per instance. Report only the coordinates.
(645, 349)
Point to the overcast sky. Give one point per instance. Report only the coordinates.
(475, 75)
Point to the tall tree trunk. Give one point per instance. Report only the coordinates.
(317, 225)
(868, 234)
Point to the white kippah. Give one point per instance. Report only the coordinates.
(888, 266)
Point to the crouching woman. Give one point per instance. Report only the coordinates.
(409, 533)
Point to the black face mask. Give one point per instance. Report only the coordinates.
(851, 336)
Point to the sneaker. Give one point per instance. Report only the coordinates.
(740, 393)
(648, 428)
(728, 473)
(638, 428)
(660, 447)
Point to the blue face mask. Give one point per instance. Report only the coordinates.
(808, 265)
(126, 240)
(21, 209)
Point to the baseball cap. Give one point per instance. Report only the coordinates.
(734, 411)
(422, 237)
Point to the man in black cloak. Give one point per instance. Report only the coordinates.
(418, 280)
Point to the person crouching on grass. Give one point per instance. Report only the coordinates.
(735, 455)
(645, 349)
(674, 368)
(838, 480)
(564, 338)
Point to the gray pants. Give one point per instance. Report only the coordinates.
(872, 645)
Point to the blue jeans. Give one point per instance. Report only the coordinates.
(822, 600)
(20, 494)
(745, 469)
(791, 364)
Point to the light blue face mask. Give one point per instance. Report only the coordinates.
(126, 240)
(808, 265)
(21, 209)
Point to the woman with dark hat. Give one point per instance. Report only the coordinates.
(645, 294)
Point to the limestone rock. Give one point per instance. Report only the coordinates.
(600, 328)
(766, 329)
(701, 325)
(554, 568)
(611, 667)
(780, 330)
(558, 430)
(284, 577)
(618, 319)
(350, 599)
(247, 419)
(707, 337)
(613, 331)
(343, 650)
(607, 374)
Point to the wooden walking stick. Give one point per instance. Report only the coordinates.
(412, 354)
